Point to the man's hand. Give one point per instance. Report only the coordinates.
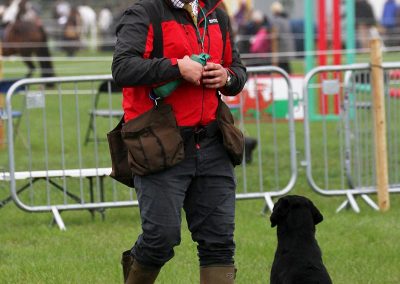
(214, 76)
(190, 70)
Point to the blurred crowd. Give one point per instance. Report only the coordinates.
(71, 25)
(272, 38)
(369, 24)
(74, 24)
(258, 33)
(278, 38)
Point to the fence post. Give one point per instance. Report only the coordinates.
(379, 116)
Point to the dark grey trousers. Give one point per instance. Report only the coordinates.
(203, 184)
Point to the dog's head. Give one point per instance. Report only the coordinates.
(295, 211)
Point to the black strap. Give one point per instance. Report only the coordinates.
(155, 20)
(158, 50)
(223, 26)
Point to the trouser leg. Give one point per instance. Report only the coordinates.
(160, 198)
(210, 207)
(204, 184)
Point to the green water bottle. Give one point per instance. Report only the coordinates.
(166, 89)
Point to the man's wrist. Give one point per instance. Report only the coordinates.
(228, 78)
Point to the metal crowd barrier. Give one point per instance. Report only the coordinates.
(51, 167)
(339, 129)
(265, 112)
(58, 158)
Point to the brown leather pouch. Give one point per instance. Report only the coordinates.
(233, 138)
(119, 156)
(153, 141)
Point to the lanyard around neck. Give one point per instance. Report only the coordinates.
(204, 30)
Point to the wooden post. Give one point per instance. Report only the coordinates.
(379, 116)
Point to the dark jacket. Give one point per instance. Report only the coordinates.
(134, 69)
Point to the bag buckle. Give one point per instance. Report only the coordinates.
(154, 98)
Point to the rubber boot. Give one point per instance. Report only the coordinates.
(126, 261)
(140, 274)
(223, 274)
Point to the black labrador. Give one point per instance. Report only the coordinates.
(298, 257)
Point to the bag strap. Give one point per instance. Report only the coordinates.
(155, 20)
(158, 50)
(119, 125)
(223, 26)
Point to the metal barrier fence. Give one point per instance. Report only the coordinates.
(339, 141)
(265, 111)
(51, 167)
(58, 157)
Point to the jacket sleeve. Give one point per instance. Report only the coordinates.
(131, 64)
(235, 67)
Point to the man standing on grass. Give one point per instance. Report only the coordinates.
(203, 184)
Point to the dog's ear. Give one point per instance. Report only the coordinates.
(317, 216)
(279, 212)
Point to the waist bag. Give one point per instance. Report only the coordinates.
(232, 137)
(153, 141)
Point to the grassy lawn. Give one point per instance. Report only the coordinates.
(357, 248)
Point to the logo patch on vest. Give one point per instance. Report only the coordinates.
(213, 21)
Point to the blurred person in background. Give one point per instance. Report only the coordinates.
(282, 39)
(241, 17)
(249, 29)
(365, 20)
(242, 21)
(24, 25)
(260, 42)
(256, 39)
(61, 11)
(390, 23)
(105, 21)
(22, 10)
(72, 32)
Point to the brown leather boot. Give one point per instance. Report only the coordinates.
(140, 274)
(126, 261)
(223, 274)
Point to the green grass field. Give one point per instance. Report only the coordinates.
(357, 248)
